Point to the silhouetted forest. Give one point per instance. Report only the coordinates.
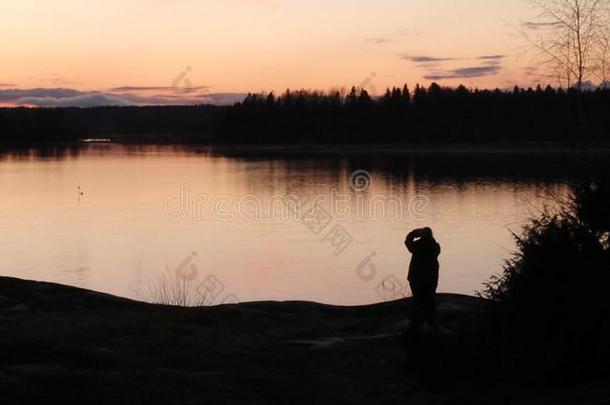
(129, 124)
(433, 114)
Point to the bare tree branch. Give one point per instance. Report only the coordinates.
(574, 41)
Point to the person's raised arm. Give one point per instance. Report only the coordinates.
(410, 239)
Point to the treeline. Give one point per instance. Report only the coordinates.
(127, 124)
(433, 114)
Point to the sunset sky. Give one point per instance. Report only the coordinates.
(170, 51)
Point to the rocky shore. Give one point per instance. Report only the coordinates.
(80, 346)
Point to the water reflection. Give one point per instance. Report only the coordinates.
(118, 236)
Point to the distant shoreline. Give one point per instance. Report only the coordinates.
(423, 148)
(437, 115)
(388, 148)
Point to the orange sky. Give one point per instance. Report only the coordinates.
(236, 46)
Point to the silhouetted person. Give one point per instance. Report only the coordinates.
(423, 273)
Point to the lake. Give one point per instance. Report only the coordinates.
(267, 225)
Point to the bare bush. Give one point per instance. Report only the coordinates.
(172, 288)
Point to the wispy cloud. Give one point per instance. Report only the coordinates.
(438, 59)
(57, 80)
(491, 57)
(11, 95)
(425, 58)
(440, 67)
(378, 40)
(140, 88)
(190, 89)
(405, 32)
(84, 100)
(464, 72)
(530, 70)
(119, 96)
(533, 25)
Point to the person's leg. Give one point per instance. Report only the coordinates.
(425, 302)
(431, 304)
(417, 313)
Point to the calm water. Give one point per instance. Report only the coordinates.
(113, 218)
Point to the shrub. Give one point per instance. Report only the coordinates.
(552, 308)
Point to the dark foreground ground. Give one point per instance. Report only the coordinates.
(77, 346)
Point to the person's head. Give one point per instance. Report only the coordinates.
(426, 233)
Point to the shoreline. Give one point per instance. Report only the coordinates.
(97, 347)
(389, 148)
